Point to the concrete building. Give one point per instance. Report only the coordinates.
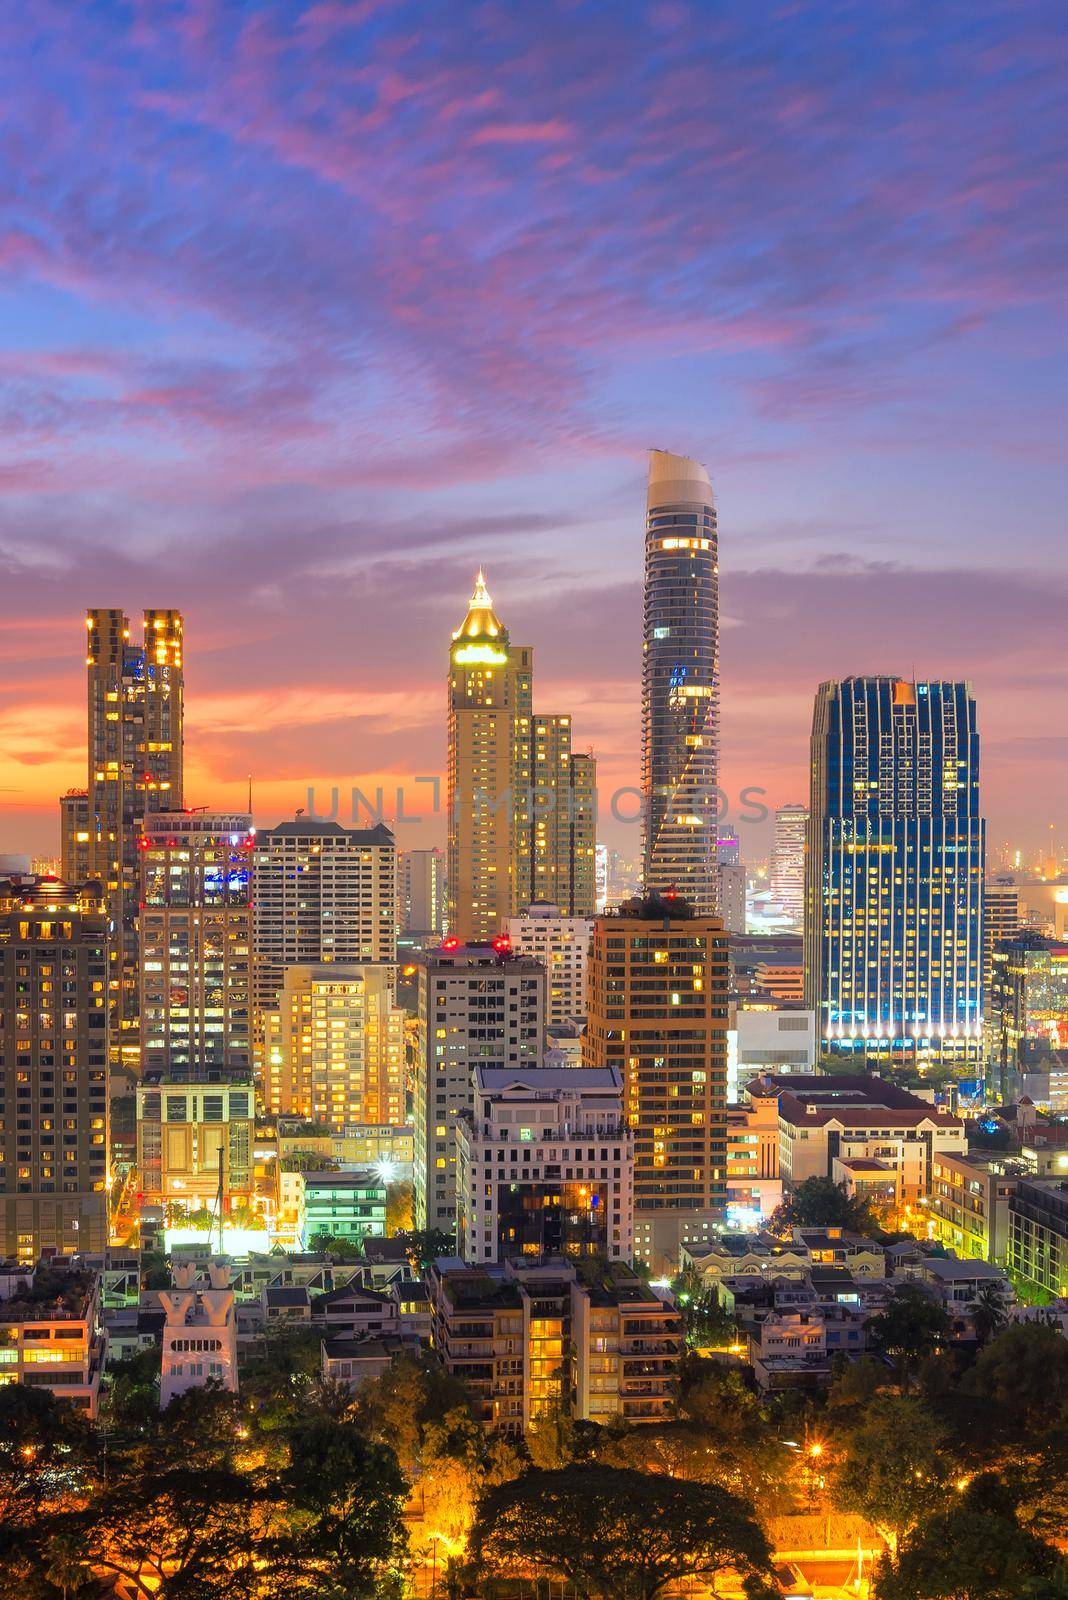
(768, 1036)
(135, 738)
(545, 1166)
(195, 945)
(788, 862)
(54, 1040)
(658, 1013)
(732, 891)
(74, 836)
(479, 1005)
(421, 895)
(344, 1205)
(199, 1332)
(968, 1206)
(193, 1133)
(754, 1188)
(1038, 1234)
(561, 944)
(334, 1047)
(1027, 1019)
(50, 1331)
(894, 866)
(783, 979)
(680, 682)
(322, 893)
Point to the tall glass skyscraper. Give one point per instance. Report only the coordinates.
(894, 873)
(680, 682)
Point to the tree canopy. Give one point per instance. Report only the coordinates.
(822, 1203)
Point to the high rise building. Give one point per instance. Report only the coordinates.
(521, 804)
(657, 1010)
(334, 1047)
(421, 891)
(321, 893)
(74, 836)
(54, 1038)
(894, 873)
(135, 767)
(600, 870)
(680, 682)
(479, 1005)
(195, 942)
(561, 944)
(732, 889)
(788, 862)
(1027, 1019)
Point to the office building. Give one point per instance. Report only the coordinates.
(199, 1331)
(421, 892)
(321, 893)
(788, 862)
(680, 682)
(74, 836)
(195, 942)
(732, 888)
(768, 1037)
(1004, 916)
(658, 1013)
(1027, 1018)
(194, 1136)
(50, 1334)
(136, 720)
(334, 1047)
(561, 944)
(344, 1205)
(479, 1005)
(545, 1166)
(521, 803)
(54, 1087)
(1038, 1235)
(894, 873)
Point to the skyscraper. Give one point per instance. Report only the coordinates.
(520, 802)
(421, 891)
(657, 1010)
(54, 1043)
(334, 1047)
(788, 862)
(894, 873)
(74, 836)
(195, 942)
(135, 767)
(680, 682)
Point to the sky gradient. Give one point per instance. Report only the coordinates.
(311, 309)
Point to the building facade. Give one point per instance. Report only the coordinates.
(50, 1332)
(334, 1047)
(199, 1332)
(561, 944)
(788, 862)
(545, 1166)
(344, 1205)
(479, 1005)
(1038, 1234)
(193, 1136)
(74, 836)
(54, 1051)
(421, 897)
(894, 873)
(680, 682)
(658, 1013)
(136, 732)
(1027, 1016)
(195, 945)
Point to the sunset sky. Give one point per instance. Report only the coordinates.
(311, 309)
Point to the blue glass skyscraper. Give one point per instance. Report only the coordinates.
(894, 873)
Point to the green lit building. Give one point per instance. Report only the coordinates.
(345, 1205)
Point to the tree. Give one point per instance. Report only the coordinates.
(988, 1312)
(705, 1320)
(912, 1327)
(1022, 1375)
(396, 1409)
(425, 1245)
(45, 1450)
(131, 1400)
(618, 1534)
(894, 1470)
(335, 1245)
(400, 1200)
(974, 1550)
(822, 1203)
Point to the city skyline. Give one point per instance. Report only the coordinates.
(278, 421)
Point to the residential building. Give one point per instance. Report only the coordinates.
(74, 836)
(334, 1047)
(199, 1331)
(561, 944)
(785, 980)
(421, 899)
(754, 1188)
(54, 1051)
(195, 942)
(50, 1331)
(344, 1205)
(355, 1362)
(788, 862)
(520, 802)
(136, 729)
(658, 1013)
(968, 1206)
(894, 873)
(852, 1116)
(322, 893)
(1027, 1017)
(732, 891)
(680, 682)
(627, 1348)
(193, 1135)
(545, 1165)
(479, 1005)
(1038, 1235)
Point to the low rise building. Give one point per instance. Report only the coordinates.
(1038, 1235)
(968, 1207)
(193, 1133)
(199, 1331)
(50, 1330)
(766, 1035)
(344, 1205)
(355, 1362)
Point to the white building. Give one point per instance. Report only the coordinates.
(788, 862)
(545, 1166)
(561, 943)
(421, 891)
(199, 1331)
(600, 871)
(768, 1039)
(732, 895)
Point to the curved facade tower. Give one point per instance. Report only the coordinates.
(680, 681)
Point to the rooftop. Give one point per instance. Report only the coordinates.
(319, 828)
